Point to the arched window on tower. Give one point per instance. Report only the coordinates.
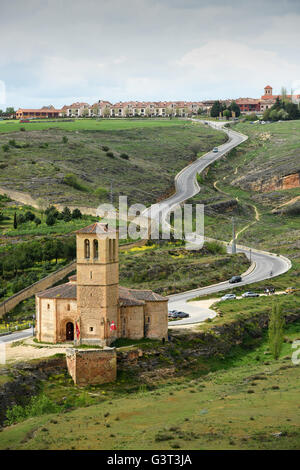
(96, 249)
(86, 248)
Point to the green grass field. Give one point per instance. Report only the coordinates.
(247, 401)
(88, 124)
(139, 158)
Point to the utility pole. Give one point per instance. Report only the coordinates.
(233, 237)
(111, 196)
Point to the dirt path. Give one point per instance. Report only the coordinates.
(26, 350)
(291, 201)
(25, 198)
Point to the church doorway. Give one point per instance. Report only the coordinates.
(69, 331)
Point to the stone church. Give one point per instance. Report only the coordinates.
(92, 308)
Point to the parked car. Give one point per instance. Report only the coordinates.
(182, 315)
(215, 149)
(228, 297)
(291, 290)
(235, 279)
(250, 294)
(172, 314)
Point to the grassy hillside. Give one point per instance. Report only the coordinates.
(246, 401)
(140, 158)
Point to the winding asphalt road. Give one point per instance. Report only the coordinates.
(265, 265)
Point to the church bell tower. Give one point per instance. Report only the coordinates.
(97, 284)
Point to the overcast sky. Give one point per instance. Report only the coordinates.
(61, 51)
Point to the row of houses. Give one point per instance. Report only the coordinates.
(150, 108)
(133, 108)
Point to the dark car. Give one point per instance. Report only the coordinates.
(235, 279)
(182, 315)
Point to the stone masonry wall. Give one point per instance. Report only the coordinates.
(38, 286)
(92, 366)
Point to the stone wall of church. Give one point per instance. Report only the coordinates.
(131, 322)
(46, 320)
(156, 320)
(92, 366)
(66, 311)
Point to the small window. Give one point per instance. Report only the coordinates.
(148, 319)
(48, 306)
(68, 307)
(91, 328)
(91, 274)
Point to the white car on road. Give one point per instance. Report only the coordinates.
(250, 294)
(228, 297)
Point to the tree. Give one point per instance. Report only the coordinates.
(266, 114)
(15, 221)
(292, 110)
(10, 110)
(216, 109)
(227, 113)
(235, 108)
(50, 220)
(67, 216)
(106, 112)
(273, 115)
(76, 214)
(276, 327)
(195, 147)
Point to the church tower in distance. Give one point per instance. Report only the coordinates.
(97, 284)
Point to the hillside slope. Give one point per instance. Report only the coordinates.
(140, 162)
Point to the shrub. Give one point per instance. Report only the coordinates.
(29, 216)
(37, 221)
(20, 219)
(105, 148)
(65, 139)
(22, 129)
(71, 180)
(5, 148)
(12, 143)
(124, 156)
(101, 192)
(37, 406)
(110, 154)
(215, 248)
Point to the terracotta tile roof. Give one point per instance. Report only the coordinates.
(127, 299)
(268, 87)
(97, 227)
(247, 101)
(147, 295)
(44, 110)
(63, 291)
